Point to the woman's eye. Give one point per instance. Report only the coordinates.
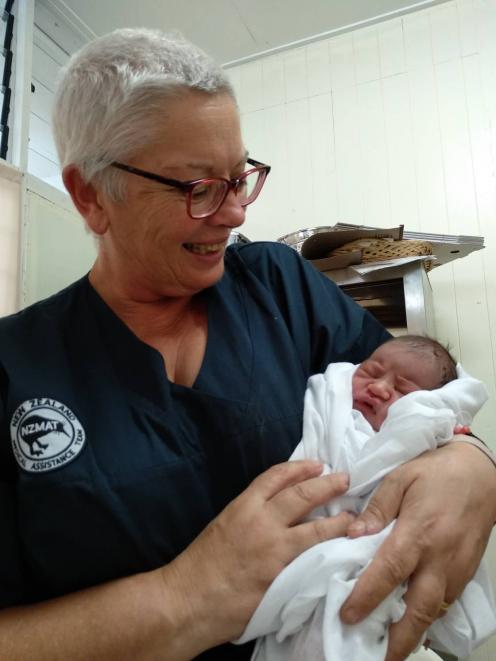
(200, 191)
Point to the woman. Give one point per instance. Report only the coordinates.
(145, 406)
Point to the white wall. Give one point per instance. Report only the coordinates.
(389, 124)
(394, 123)
(58, 249)
(10, 196)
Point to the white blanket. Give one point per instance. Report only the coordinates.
(298, 618)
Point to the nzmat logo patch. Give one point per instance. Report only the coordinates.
(45, 435)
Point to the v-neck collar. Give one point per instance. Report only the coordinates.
(141, 369)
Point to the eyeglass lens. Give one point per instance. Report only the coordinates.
(207, 196)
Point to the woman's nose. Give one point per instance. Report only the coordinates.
(380, 388)
(231, 213)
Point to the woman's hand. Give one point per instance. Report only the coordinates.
(222, 576)
(445, 502)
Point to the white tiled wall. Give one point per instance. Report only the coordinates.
(394, 123)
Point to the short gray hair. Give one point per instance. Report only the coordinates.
(110, 91)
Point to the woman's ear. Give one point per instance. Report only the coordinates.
(86, 199)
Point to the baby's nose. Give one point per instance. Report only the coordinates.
(380, 388)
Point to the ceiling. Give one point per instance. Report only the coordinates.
(231, 30)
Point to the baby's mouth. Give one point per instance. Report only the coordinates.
(204, 248)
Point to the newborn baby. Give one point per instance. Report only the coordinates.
(366, 420)
(397, 368)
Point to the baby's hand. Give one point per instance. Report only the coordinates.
(461, 429)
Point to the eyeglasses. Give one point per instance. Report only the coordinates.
(204, 197)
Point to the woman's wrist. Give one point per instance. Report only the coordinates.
(478, 461)
(181, 615)
(192, 607)
(475, 442)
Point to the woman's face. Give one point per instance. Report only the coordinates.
(164, 251)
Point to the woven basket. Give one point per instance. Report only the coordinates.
(378, 250)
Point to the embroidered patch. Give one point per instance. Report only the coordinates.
(45, 435)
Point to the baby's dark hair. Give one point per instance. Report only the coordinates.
(432, 348)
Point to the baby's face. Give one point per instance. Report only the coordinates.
(393, 370)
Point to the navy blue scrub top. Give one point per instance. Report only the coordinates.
(106, 467)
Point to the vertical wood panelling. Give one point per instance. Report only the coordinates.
(375, 179)
(467, 27)
(342, 69)
(427, 151)
(418, 43)
(472, 314)
(399, 140)
(295, 74)
(479, 120)
(391, 48)
(274, 88)
(274, 207)
(251, 84)
(348, 156)
(366, 50)
(324, 184)
(457, 157)
(318, 63)
(486, 29)
(444, 32)
(299, 164)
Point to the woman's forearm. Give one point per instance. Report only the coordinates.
(203, 598)
(139, 618)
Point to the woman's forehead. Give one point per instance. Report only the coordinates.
(196, 130)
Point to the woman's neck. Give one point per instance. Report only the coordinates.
(144, 310)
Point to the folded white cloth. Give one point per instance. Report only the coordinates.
(298, 618)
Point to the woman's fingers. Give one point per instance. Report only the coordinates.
(314, 532)
(293, 503)
(383, 507)
(234, 560)
(392, 565)
(425, 596)
(436, 547)
(281, 476)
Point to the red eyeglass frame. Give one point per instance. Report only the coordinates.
(188, 186)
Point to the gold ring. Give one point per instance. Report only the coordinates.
(443, 608)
